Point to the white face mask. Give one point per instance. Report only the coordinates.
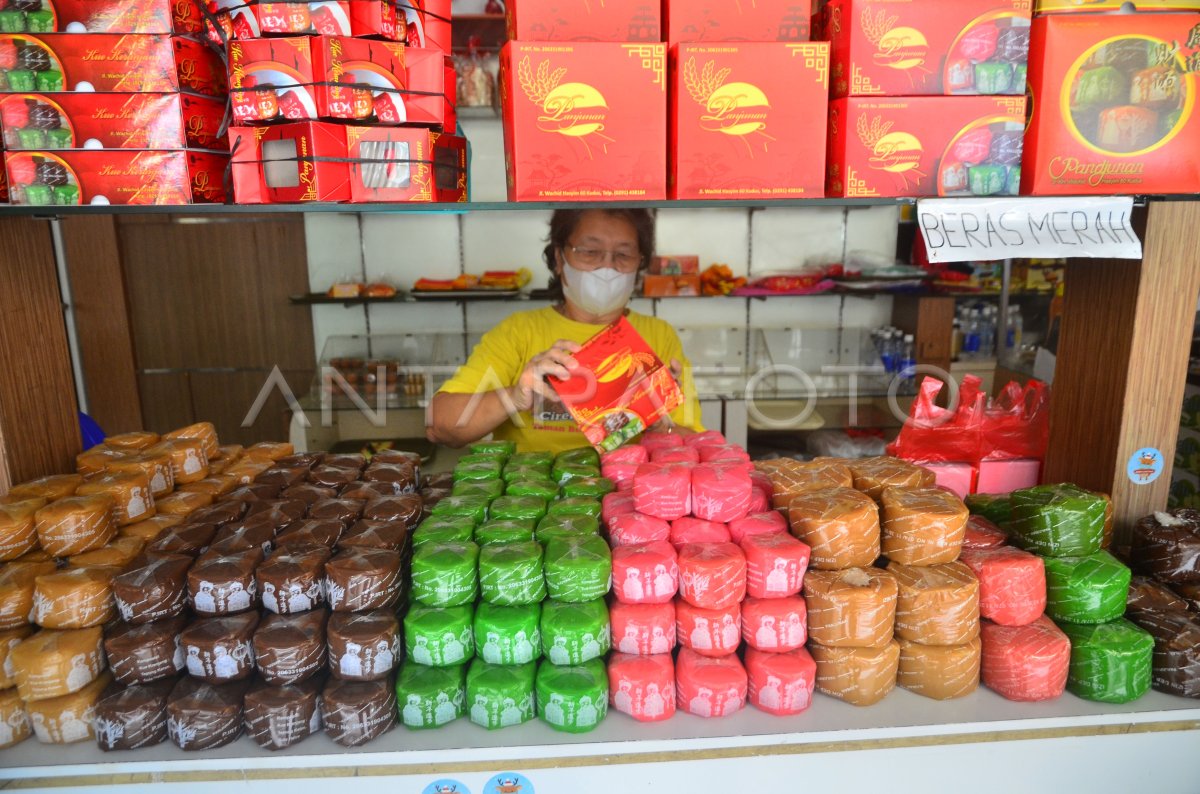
(598, 292)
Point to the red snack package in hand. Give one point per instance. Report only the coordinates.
(663, 491)
(697, 530)
(642, 686)
(708, 632)
(775, 565)
(643, 629)
(720, 493)
(646, 573)
(712, 575)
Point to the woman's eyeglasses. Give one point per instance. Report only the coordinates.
(597, 257)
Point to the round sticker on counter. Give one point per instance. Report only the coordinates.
(1145, 466)
(445, 787)
(508, 783)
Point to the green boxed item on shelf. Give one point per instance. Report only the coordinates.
(445, 574)
(575, 506)
(1057, 520)
(430, 697)
(483, 489)
(480, 457)
(444, 529)
(565, 526)
(473, 507)
(480, 470)
(508, 635)
(1090, 589)
(526, 471)
(575, 633)
(1110, 662)
(542, 489)
(572, 699)
(500, 696)
(582, 456)
(510, 574)
(538, 458)
(530, 508)
(503, 531)
(504, 448)
(439, 636)
(592, 487)
(995, 507)
(578, 568)
(563, 473)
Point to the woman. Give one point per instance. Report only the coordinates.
(594, 257)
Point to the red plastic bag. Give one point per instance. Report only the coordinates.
(1017, 424)
(933, 434)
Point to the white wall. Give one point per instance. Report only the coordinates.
(403, 247)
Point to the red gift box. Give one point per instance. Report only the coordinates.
(1092, 6)
(584, 121)
(427, 23)
(743, 123)
(116, 176)
(118, 121)
(319, 161)
(925, 146)
(928, 47)
(584, 20)
(338, 78)
(1114, 105)
(114, 62)
(722, 20)
(252, 19)
(126, 16)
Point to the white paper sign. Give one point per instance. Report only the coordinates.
(988, 229)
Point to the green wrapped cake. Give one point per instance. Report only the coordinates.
(996, 508)
(575, 633)
(481, 470)
(578, 568)
(1110, 662)
(508, 635)
(566, 526)
(472, 507)
(563, 473)
(523, 508)
(591, 487)
(1090, 589)
(444, 529)
(506, 531)
(575, 506)
(504, 449)
(580, 456)
(500, 696)
(1057, 520)
(510, 574)
(430, 697)
(526, 471)
(572, 699)
(445, 574)
(542, 488)
(439, 636)
(539, 458)
(485, 489)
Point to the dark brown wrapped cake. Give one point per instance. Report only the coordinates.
(224, 585)
(402, 477)
(363, 646)
(355, 712)
(293, 579)
(321, 533)
(186, 539)
(291, 648)
(333, 476)
(220, 649)
(1167, 546)
(1147, 595)
(375, 535)
(131, 717)
(309, 493)
(203, 716)
(359, 580)
(345, 510)
(280, 716)
(1176, 651)
(405, 508)
(139, 654)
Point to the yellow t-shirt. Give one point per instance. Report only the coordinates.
(500, 357)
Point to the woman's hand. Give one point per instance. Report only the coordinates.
(558, 361)
(667, 424)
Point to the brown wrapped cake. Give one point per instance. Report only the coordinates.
(841, 526)
(363, 646)
(308, 493)
(139, 654)
(345, 510)
(187, 539)
(76, 524)
(320, 533)
(922, 526)
(375, 535)
(355, 712)
(131, 717)
(183, 503)
(74, 598)
(405, 508)
(400, 476)
(333, 476)
(358, 580)
(1167, 546)
(118, 554)
(280, 716)
(220, 649)
(224, 585)
(851, 608)
(872, 475)
(203, 716)
(293, 579)
(291, 648)
(239, 538)
(151, 529)
(936, 605)
(130, 494)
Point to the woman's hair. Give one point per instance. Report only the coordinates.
(564, 223)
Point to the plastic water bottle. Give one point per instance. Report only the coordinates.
(972, 335)
(908, 362)
(1015, 331)
(987, 333)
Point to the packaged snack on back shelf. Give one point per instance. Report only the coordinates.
(928, 47)
(722, 20)
(925, 146)
(1093, 6)
(319, 161)
(116, 176)
(620, 389)
(671, 286)
(584, 121)
(581, 20)
(108, 62)
(1114, 104)
(252, 19)
(102, 16)
(339, 78)
(743, 120)
(111, 121)
(674, 266)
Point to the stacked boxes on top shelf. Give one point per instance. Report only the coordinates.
(129, 114)
(929, 96)
(349, 101)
